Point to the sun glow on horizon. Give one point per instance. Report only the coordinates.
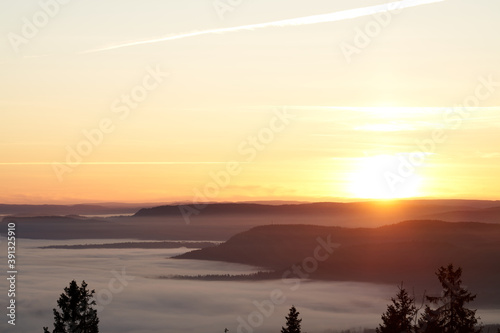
(377, 177)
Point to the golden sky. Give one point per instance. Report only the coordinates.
(166, 101)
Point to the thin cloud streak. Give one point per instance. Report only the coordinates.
(111, 163)
(314, 19)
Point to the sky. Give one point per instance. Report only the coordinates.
(218, 100)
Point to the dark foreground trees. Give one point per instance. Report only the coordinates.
(292, 322)
(76, 314)
(445, 314)
(400, 314)
(450, 314)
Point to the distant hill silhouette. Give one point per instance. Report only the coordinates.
(222, 220)
(409, 251)
(490, 214)
(80, 209)
(374, 211)
(304, 208)
(134, 245)
(57, 227)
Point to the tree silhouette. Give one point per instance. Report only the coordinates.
(292, 322)
(399, 315)
(428, 323)
(450, 314)
(76, 314)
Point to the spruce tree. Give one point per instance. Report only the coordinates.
(76, 314)
(292, 322)
(399, 315)
(429, 323)
(450, 314)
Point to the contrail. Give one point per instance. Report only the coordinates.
(314, 19)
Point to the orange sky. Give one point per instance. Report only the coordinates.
(306, 110)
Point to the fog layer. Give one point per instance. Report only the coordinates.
(131, 297)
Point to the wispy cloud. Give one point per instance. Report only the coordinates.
(393, 127)
(490, 155)
(314, 19)
(110, 163)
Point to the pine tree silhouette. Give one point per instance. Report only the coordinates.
(399, 315)
(450, 314)
(292, 322)
(76, 314)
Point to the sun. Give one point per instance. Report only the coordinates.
(382, 177)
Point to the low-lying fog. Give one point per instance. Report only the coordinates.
(140, 302)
